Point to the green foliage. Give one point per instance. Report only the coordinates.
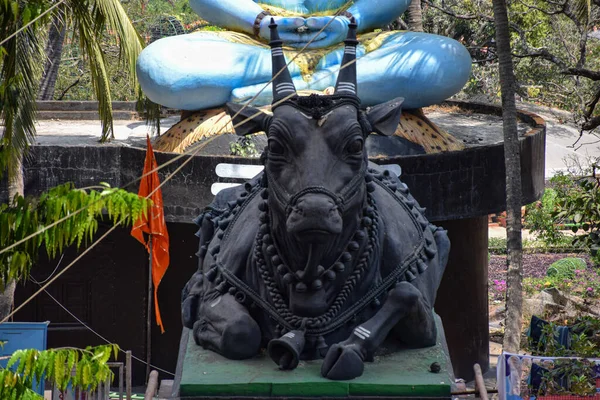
(14, 387)
(579, 375)
(28, 216)
(74, 78)
(20, 60)
(575, 375)
(565, 268)
(581, 205)
(570, 201)
(539, 219)
(551, 32)
(22, 57)
(584, 282)
(243, 147)
(81, 369)
(497, 245)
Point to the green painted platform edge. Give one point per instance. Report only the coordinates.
(378, 389)
(229, 389)
(311, 389)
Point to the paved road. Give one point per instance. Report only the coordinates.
(562, 135)
(560, 149)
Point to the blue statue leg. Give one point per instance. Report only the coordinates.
(425, 69)
(245, 93)
(199, 70)
(265, 95)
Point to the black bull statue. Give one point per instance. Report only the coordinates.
(322, 254)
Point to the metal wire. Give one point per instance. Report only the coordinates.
(94, 332)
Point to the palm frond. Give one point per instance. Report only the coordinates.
(151, 110)
(92, 20)
(21, 58)
(89, 29)
(131, 43)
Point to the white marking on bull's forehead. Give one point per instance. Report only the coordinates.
(321, 120)
(324, 118)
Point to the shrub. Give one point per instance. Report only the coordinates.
(539, 218)
(565, 268)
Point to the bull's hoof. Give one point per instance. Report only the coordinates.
(343, 362)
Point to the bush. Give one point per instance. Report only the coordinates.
(572, 201)
(539, 218)
(565, 268)
(582, 282)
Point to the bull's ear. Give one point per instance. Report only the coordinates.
(256, 120)
(384, 118)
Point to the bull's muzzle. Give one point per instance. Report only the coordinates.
(313, 217)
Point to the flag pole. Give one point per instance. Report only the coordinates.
(149, 312)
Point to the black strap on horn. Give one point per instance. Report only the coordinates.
(282, 83)
(346, 82)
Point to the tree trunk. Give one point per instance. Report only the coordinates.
(16, 181)
(16, 186)
(512, 162)
(7, 298)
(415, 16)
(54, 47)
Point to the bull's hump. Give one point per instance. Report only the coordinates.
(401, 222)
(239, 236)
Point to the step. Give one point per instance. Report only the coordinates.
(86, 115)
(59, 105)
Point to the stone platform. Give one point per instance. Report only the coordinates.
(404, 374)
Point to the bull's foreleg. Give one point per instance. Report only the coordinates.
(404, 307)
(225, 326)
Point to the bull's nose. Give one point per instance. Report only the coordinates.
(316, 205)
(314, 214)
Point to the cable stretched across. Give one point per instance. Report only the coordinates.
(30, 22)
(93, 331)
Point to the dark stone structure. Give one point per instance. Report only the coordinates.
(320, 255)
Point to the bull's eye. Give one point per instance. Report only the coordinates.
(355, 146)
(275, 147)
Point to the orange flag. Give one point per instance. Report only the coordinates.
(154, 225)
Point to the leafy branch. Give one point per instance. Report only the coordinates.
(25, 217)
(554, 33)
(82, 369)
(14, 387)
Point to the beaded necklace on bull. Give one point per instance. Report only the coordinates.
(265, 252)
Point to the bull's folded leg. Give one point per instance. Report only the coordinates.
(344, 360)
(226, 327)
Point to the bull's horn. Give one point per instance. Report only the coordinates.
(282, 83)
(346, 82)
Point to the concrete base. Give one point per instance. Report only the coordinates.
(403, 374)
